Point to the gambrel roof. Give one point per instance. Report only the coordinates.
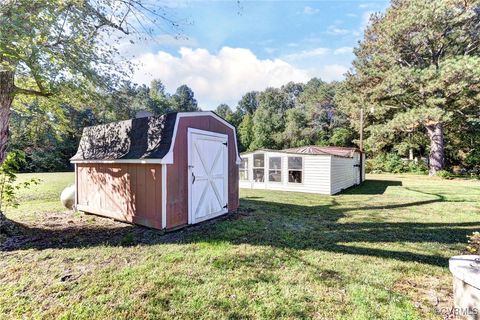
(147, 139)
(140, 138)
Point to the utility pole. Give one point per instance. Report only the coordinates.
(361, 145)
(361, 129)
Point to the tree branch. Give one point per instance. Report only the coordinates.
(30, 92)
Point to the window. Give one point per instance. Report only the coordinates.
(275, 169)
(244, 169)
(259, 167)
(295, 169)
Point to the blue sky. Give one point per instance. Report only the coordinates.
(228, 48)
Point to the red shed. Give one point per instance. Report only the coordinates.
(162, 172)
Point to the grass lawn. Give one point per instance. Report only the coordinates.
(377, 251)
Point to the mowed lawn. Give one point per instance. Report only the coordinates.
(377, 251)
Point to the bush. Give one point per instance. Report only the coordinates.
(8, 186)
(385, 163)
(444, 174)
(392, 163)
(474, 172)
(418, 167)
(46, 161)
(474, 243)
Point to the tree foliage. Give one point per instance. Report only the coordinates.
(68, 49)
(48, 131)
(418, 70)
(183, 100)
(8, 187)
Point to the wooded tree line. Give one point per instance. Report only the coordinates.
(294, 115)
(415, 78)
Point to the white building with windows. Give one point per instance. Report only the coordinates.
(313, 169)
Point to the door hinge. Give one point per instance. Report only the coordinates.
(225, 144)
(225, 206)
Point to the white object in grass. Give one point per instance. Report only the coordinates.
(68, 197)
(466, 284)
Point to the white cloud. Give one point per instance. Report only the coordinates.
(313, 39)
(342, 50)
(336, 30)
(221, 77)
(307, 54)
(365, 5)
(353, 15)
(310, 10)
(133, 46)
(270, 50)
(332, 72)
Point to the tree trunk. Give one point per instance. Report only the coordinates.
(7, 92)
(437, 148)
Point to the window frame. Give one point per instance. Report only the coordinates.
(270, 169)
(301, 170)
(258, 168)
(244, 170)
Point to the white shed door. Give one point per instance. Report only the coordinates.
(208, 181)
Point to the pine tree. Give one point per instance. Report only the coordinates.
(418, 68)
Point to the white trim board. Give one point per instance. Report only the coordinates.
(140, 161)
(164, 196)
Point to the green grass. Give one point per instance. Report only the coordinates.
(379, 251)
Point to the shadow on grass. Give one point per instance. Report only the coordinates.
(281, 225)
(373, 187)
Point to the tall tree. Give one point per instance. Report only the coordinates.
(52, 46)
(269, 119)
(160, 99)
(321, 114)
(65, 49)
(248, 103)
(418, 67)
(183, 100)
(296, 133)
(245, 132)
(293, 90)
(224, 111)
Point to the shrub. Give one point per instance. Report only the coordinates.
(474, 243)
(8, 188)
(391, 162)
(385, 163)
(444, 174)
(419, 167)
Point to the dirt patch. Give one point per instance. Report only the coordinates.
(430, 292)
(71, 230)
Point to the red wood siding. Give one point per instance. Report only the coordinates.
(177, 173)
(127, 192)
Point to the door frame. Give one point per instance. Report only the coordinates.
(190, 133)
